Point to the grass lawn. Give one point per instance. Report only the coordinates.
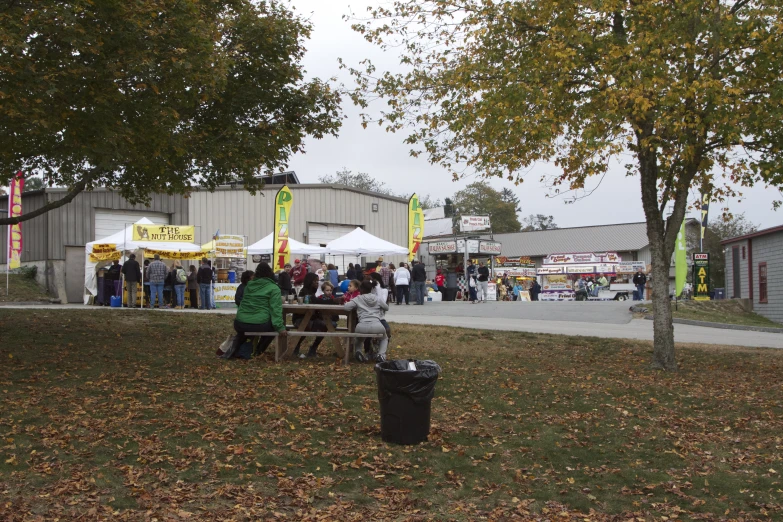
(128, 415)
(20, 289)
(725, 311)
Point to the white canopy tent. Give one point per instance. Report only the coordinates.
(124, 242)
(266, 245)
(361, 243)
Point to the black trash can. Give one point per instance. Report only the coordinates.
(450, 294)
(405, 396)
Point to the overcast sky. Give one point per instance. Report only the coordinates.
(386, 157)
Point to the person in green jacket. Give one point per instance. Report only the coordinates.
(261, 310)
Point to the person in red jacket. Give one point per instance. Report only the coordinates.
(440, 281)
(298, 273)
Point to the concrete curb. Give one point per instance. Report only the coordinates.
(26, 303)
(723, 326)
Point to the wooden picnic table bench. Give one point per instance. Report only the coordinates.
(328, 312)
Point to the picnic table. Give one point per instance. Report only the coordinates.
(328, 312)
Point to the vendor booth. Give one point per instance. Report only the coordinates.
(229, 259)
(559, 271)
(450, 256)
(142, 238)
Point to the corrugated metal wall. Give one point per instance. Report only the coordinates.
(74, 224)
(236, 211)
(33, 231)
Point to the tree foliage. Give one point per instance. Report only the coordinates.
(155, 95)
(480, 199)
(358, 180)
(538, 222)
(690, 90)
(364, 181)
(33, 183)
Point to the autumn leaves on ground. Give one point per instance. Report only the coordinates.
(112, 414)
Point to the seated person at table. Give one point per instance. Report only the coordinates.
(352, 292)
(369, 309)
(261, 310)
(247, 276)
(327, 298)
(308, 291)
(382, 293)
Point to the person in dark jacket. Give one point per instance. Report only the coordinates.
(350, 275)
(247, 276)
(193, 286)
(419, 276)
(261, 310)
(640, 280)
(111, 281)
(204, 279)
(132, 272)
(284, 281)
(535, 289)
(483, 282)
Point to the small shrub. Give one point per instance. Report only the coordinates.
(29, 271)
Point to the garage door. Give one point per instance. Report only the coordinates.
(108, 222)
(320, 234)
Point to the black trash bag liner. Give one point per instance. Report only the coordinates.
(394, 377)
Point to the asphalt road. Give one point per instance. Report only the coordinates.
(592, 319)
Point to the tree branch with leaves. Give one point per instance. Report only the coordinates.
(690, 89)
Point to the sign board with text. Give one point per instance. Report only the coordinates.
(701, 276)
(165, 233)
(473, 223)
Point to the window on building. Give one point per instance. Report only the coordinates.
(762, 282)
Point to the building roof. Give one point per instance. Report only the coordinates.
(763, 232)
(622, 237)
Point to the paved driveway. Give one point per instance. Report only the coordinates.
(607, 312)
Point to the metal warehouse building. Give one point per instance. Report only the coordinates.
(55, 241)
(754, 270)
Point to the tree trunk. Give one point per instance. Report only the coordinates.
(661, 248)
(663, 329)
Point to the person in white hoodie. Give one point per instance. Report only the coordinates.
(370, 311)
(402, 280)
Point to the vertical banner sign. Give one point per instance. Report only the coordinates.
(680, 262)
(701, 277)
(415, 226)
(705, 210)
(282, 250)
(15, 231)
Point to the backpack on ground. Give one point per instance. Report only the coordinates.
(181, 275)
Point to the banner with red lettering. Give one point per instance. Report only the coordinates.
(15, 231)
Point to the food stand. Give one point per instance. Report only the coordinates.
(229, 258)
(143, 238)
(451, 256)
(559, 271)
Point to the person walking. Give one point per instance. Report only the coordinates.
(157, 272)
(180, 281)
(132, 272)
(193, 287)
(483, 282)
(392, 287)
(640, 281)
(419, 275)
(204, 279)
(402, 280)
(440, 282)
